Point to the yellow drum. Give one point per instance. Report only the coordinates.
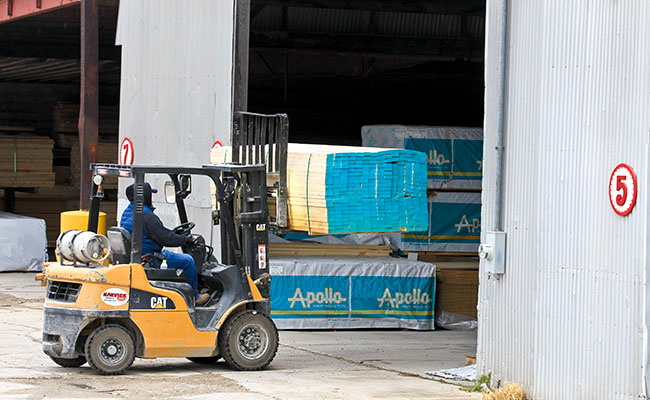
(78, 220)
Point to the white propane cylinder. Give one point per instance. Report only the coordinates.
(83, 246)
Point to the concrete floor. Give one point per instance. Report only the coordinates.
(309, 364)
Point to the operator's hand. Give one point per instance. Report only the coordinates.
(193, 241)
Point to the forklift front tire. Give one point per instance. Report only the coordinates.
(110, 349)
(248, 341)
(69, 362)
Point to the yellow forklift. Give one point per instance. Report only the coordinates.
(108, 312)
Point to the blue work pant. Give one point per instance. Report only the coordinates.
(186, 263)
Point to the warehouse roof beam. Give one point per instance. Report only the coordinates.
(11, 10)
(66, 50)
(370, 45)
(466, 7)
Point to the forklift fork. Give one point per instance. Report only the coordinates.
(263, 139)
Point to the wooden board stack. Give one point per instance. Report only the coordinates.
(305, 249)
(26, 161)
(343, 189)
(107, 153)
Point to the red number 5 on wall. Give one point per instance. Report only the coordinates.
(622, 189)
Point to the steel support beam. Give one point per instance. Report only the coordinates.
(242, 33)
(458, 7)
(89, 103)
(369, 45)
(69, 50)
(15, 9)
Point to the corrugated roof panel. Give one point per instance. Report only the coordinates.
(327, 20)
(307, 19)
(476, 27)
(424, 25)
(268, 19)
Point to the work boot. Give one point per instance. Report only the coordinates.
(203, 298)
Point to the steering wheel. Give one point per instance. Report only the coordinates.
(184, 228)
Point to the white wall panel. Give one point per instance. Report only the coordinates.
(176, 88)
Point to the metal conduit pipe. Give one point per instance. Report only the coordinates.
(501, 116)
(493, 248)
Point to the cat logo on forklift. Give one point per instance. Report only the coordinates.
(159, 302)
(143, 300)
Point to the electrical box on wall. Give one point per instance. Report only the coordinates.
(493, 251)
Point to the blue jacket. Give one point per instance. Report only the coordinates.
(149, 246)
(154, 233)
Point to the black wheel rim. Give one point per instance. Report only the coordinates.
(111, 351)
(252, 341)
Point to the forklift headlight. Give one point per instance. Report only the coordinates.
(98, 180)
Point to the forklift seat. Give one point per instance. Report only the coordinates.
(120, 240)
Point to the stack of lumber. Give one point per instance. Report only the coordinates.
(106, 153)
(457, 289)
(26, 161)
(326, 250)
(341, 189)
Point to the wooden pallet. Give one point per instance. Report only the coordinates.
(326, 250)
(456, 259)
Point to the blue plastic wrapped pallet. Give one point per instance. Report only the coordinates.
(454, 154)
(454, 224)
(339, 293)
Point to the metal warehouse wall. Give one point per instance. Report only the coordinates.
(567, 318)
(176, 89)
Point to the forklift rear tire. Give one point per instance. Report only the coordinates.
(204, 360)
(248, 341)
(69, 362)
(110, 349)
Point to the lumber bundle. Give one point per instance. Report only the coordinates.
(342, 189)
(107, 153)
(26, 161)
(326, 250)
(457, 291)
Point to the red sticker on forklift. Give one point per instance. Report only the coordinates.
(115, 297)
(261, 256)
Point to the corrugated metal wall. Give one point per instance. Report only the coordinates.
(567, 318)
(176, 89)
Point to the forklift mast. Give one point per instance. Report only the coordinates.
(263, 139)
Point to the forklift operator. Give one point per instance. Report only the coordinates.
(155, 236)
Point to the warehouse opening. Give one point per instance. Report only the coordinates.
(335, 66)
(386, 74)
